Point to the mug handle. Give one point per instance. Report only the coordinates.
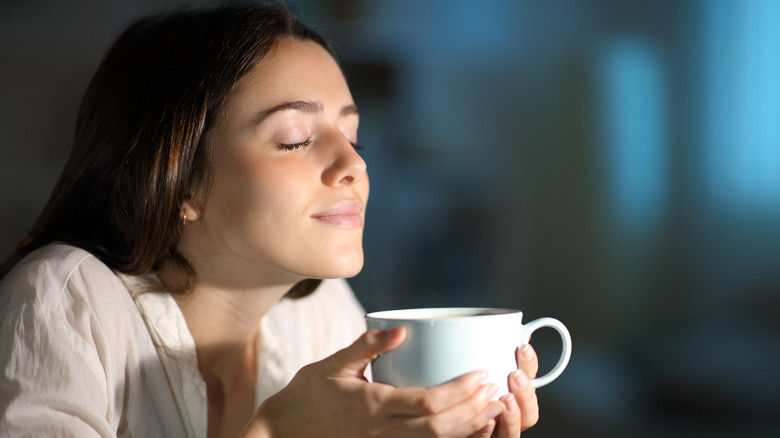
(536, 324)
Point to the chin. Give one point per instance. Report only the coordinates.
(351, 273)
(344, 267)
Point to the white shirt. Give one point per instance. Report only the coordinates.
(86, 352)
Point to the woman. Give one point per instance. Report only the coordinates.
(167, 288)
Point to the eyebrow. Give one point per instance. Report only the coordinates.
(302, 106)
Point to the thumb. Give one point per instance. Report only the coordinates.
(353, 360)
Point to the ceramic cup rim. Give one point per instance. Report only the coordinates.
(441, 313)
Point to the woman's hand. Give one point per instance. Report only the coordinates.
(331, 398)
(521, 408)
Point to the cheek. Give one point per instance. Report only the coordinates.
(283, 179)
(276, 193)
(252, 191)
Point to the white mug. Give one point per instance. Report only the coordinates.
(446, 342)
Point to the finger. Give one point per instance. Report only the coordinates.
(418, 401)
(509, 423)
(353, 360)
(464, 419)
(525, 396)
(483, 422)
(486, 431)
(527, 360)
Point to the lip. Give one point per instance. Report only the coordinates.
(345, 214)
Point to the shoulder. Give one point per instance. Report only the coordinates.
(49, 276)
(66, 317)
(61, 287)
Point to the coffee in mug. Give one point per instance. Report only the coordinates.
(447, 342)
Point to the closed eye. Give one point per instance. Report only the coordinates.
(356, 146)
(295, 146)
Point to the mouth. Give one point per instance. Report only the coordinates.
(345, 214)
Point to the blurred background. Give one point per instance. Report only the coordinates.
(611, 163)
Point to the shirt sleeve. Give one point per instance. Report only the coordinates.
(52, 378)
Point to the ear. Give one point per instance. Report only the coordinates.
(191, 210)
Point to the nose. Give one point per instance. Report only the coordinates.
(346, 166)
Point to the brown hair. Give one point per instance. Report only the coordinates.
(141, 145)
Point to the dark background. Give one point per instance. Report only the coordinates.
(613, 164)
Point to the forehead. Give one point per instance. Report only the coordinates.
(294, 69)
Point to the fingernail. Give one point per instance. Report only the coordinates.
(527, 352)
(494, 411)
(479, 376)
(520, 379)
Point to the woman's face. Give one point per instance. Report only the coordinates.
(288, 195)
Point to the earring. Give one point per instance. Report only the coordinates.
(184, 218)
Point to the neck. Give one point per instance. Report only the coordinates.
(223, 309)
(225, 324)
(224, 321)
